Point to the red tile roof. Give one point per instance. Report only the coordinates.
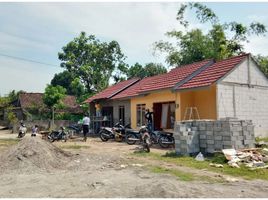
(163, 81)
(29, 100)
(213, 73)
(112, 90)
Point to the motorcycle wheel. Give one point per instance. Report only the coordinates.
(102, 136)
(161, 141)
(154, 138)
(128, 141)
(147, 143)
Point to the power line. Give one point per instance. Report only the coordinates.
(28, 60)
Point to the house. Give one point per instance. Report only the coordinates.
(29, 104)
(114, 110)
(234, 87)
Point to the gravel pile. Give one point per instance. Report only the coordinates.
(33, 154)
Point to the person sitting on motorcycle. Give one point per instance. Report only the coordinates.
(149, 118)
(22, 130)
(34, 130)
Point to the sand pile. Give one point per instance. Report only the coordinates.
(33, 154)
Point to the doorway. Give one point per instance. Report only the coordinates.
(164, 115)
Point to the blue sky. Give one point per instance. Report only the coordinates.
(38, 31)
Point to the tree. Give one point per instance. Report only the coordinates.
(263, 63)
(68, 81)
(150, 69)
(63, 79)
(194, 45)
(52, 98)
(92, 61)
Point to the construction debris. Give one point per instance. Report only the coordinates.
(252, 158)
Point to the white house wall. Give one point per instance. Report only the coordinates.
(237, 98)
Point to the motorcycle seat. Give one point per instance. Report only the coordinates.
(131, 131)
(166, 133)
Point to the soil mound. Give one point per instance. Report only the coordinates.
(33, 154)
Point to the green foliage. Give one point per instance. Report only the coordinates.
(11, 117)
(183, 176)
(70, 82)
(53, 95)
(68, 116)
(263, 63)
(77, 88)
(150, 69)
(63, 79)
(222, 41)
(92, 61)
(4, 102)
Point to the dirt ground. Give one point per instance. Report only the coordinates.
(34, 168)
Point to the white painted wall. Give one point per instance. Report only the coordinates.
(236, 99)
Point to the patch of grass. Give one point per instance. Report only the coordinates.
(259, 139)
(74, 146)
(191, 162)
(184, 176)
(4, 142)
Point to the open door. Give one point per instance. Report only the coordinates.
(157, 115)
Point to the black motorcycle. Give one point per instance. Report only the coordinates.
(143, 136)
(135, 136)
(58, 135)
(117, 132)
(166, 139)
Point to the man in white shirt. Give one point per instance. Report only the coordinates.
(86, 122)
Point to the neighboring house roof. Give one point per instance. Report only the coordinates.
(113, 90)
(29, 100)
(213, 73)
(163, 81)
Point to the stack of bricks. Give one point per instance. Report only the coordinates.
(186, 139)
(213, 135)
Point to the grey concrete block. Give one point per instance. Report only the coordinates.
(210, 137)
(210, 141)
(209, 132)
(202, 136)
(218, 137)
(227, 143)
(226, 138)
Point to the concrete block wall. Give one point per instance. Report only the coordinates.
(244, 94)
(246, 103)
(213, 135)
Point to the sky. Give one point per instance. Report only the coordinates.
(38, 31)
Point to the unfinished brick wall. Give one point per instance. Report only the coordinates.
(209, 136)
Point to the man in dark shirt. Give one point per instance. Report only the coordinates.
(149, 118)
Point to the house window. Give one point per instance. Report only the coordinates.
(122, 114)
(140, 114)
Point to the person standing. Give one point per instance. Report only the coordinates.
(34, 130)
(85, 124)
(149, 118)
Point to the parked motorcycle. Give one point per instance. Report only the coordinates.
(135, 136)
(117, 132)
(22, 131)
(58, 135)
(143, 136)
(166, 139)
(75, 130)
